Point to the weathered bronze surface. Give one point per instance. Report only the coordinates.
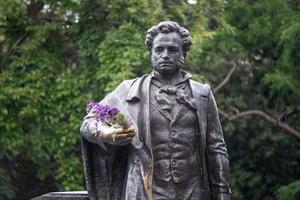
(75, 195)
(177, 151)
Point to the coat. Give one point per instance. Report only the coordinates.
(125, 172)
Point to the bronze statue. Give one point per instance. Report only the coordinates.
(174, 148)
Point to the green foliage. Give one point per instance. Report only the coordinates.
(289, 192)
(284, 79)
(57, 55)
(122, 51)
(6, 189)
(120, 120)
(261, 44)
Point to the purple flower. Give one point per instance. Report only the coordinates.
(90, 105)
(104, 111)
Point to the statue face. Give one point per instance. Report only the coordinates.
(167, 55)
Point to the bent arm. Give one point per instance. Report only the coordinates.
(218, 164)
(90, 129)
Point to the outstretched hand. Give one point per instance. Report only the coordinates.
(117, 135)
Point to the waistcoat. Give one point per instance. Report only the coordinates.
(174, 140)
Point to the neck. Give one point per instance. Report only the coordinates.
(169, 79)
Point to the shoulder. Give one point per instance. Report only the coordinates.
(126, 84)
(200, 88)
(123, 87)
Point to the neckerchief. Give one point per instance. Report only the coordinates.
(162, 96)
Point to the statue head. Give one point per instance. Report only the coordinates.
(168, 44)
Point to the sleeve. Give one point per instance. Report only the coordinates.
(217, 157)
(90, 129)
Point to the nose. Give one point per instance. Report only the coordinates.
(165, 54)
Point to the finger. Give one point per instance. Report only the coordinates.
(122, 136)
(126, 133)
(118, 131)
(131, 133)
(130, 129)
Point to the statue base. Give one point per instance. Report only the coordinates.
(73, 195)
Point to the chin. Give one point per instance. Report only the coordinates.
(167, 71)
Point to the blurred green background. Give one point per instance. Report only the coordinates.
(55, 55)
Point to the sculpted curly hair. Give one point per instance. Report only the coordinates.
(169, 27)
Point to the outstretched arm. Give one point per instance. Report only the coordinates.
(217, 158)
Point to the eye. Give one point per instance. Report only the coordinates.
(158, 49)
(173, 49)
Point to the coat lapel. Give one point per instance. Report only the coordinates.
(139, 107)
(201, 94)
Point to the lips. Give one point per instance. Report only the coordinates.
(165, 63)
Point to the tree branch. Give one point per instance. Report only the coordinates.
(264, 115)
(32, 10)
(274, 120)
(226, 79)
(49, 19)
(12, 49)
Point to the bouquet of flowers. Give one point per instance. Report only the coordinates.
(109, 114)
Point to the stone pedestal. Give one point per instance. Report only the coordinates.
(73, 195)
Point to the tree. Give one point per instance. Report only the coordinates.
(251, 49)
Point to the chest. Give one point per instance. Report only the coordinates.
(171, 120)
